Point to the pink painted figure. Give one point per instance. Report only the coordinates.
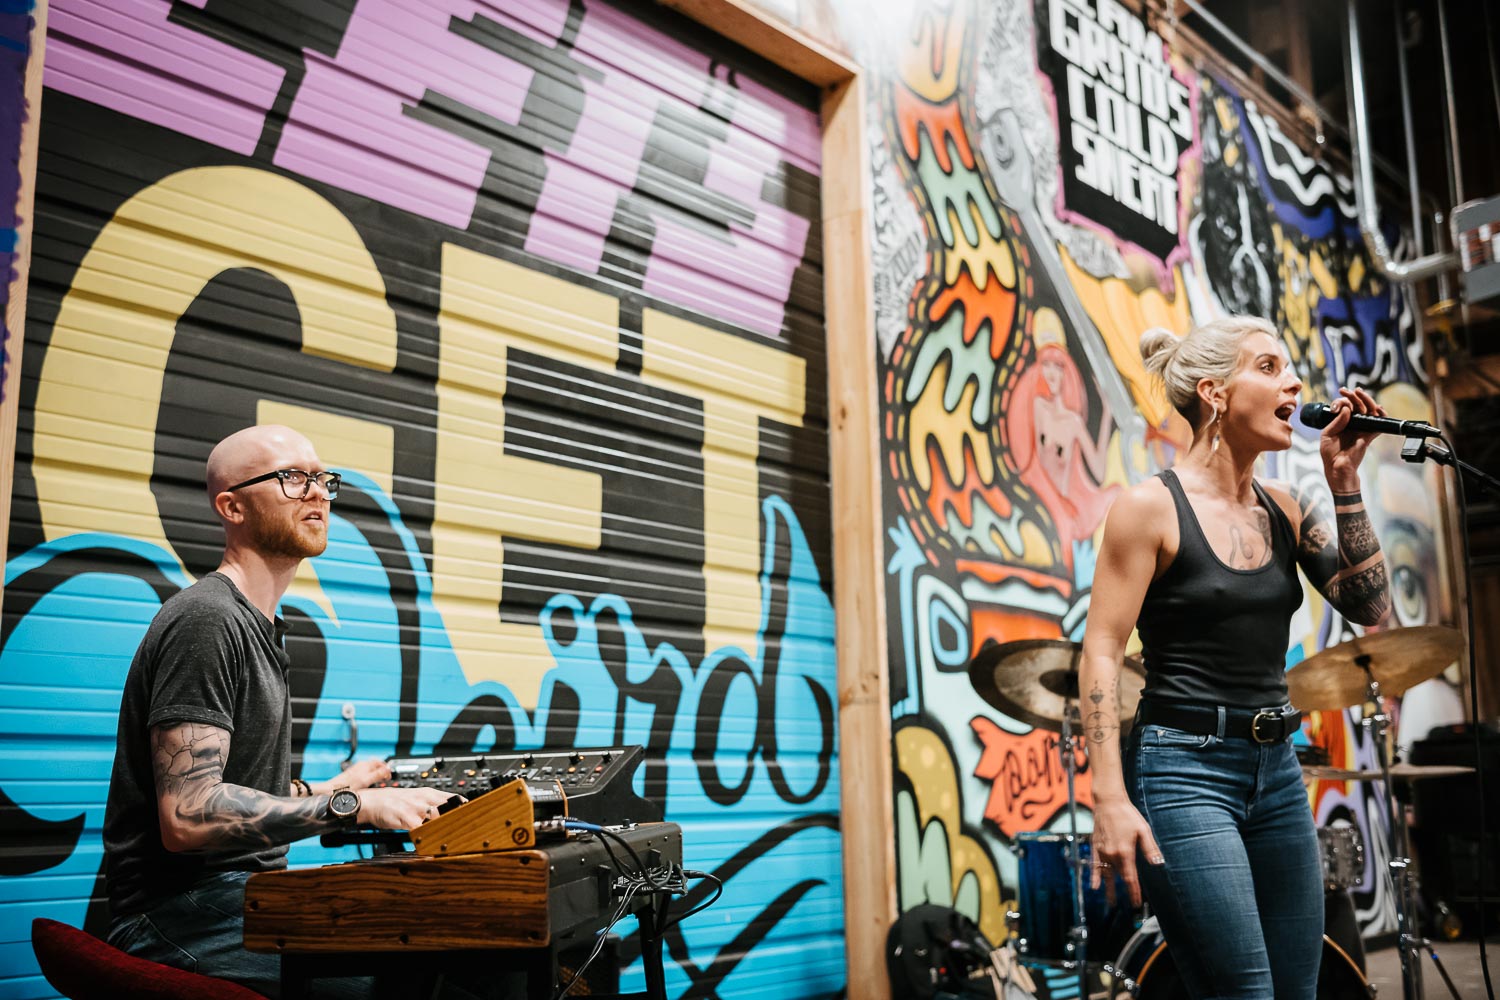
(1051, 444)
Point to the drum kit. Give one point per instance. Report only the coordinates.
(1063, 923)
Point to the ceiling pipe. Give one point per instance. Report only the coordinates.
(1292, 87)
(1366, 206)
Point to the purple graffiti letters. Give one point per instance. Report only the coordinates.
(126, 55)
(350, 126)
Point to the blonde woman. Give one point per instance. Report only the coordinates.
(1204, 808)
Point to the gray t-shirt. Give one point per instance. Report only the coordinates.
(209, 656)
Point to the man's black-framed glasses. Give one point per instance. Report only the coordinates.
(296, 483)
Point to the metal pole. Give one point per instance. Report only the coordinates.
(1364, 178)
(1413, 186)
(1455, 165)
(1295, 89)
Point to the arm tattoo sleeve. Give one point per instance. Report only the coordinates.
(188, 759)
(1341, 556)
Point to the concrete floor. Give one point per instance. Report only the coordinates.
(1460, 958)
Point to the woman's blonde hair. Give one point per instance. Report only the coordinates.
(1210, 351)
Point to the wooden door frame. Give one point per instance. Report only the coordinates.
(866, 820)
(15, 303)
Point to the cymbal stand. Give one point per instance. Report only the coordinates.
(1078, 934)
(1403, 876)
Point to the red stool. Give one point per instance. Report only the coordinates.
(80, 966)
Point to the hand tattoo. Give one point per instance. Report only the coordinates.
(1341, 556)
(188, 759)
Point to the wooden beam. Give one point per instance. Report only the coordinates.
(1474, 378)
(15, 303)
(866, 786)
(770, 38)
(865, 781)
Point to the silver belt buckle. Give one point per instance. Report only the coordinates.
(1255, 725)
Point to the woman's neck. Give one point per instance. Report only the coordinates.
(1223, 470)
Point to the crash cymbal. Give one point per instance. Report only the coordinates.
(1030, 680)
(1399, 659)
(1399, 771)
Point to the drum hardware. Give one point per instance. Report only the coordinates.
(1036, 681)
(1397, 660)
(1146, 970)
(1363, 670)
(1343, 856)
(1399, 771)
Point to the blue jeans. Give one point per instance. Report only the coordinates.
(202, 930)
(1240, 892)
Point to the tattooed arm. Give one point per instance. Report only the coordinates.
(200, 811)
(1338, 550)
(1128, 560)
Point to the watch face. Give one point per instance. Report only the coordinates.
(344, 804)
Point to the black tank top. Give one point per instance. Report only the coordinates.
(1214, 635)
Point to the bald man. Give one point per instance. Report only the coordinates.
(201, 795)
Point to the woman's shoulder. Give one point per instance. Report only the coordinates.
(1147, 497)
(1287, 496)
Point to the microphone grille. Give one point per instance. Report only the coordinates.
(1316, 414)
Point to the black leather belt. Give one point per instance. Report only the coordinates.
(1266, 725)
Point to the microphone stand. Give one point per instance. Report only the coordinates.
(1418, 449)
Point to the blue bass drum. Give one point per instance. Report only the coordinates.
(1045, 903)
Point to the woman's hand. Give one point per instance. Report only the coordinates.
(1342, 448)
(1119, 831)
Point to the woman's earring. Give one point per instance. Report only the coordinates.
(1215, 425)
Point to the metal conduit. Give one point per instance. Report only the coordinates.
(1364, 177)
(1292, 87)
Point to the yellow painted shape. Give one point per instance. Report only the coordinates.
(1121, 314)
(482, 495)
(740, 381)
(991, 253)
(927, 764)
(1356, 272)
(931, 63)
(928, 418)
(100, 387)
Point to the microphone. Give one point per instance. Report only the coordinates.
(1319, 415)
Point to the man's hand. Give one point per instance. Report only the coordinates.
(356, 776)
(399, 808)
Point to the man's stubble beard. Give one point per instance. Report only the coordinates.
(275, 537)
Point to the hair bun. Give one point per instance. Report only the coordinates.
(1158, 346)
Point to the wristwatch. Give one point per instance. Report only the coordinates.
(343, 805)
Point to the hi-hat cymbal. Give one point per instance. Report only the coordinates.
(1032, 680)
(1399, 771)
(1398, 659)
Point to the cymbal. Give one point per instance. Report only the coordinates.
(1401, 771)
(1399, 659)
(1031, 680)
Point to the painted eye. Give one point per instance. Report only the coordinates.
(1408, 596)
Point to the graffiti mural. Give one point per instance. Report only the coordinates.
(1015, 405)
(560, 330)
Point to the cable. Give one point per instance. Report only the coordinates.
(1463, 528)
(599, 831)
(617, 916)
(718, 891)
